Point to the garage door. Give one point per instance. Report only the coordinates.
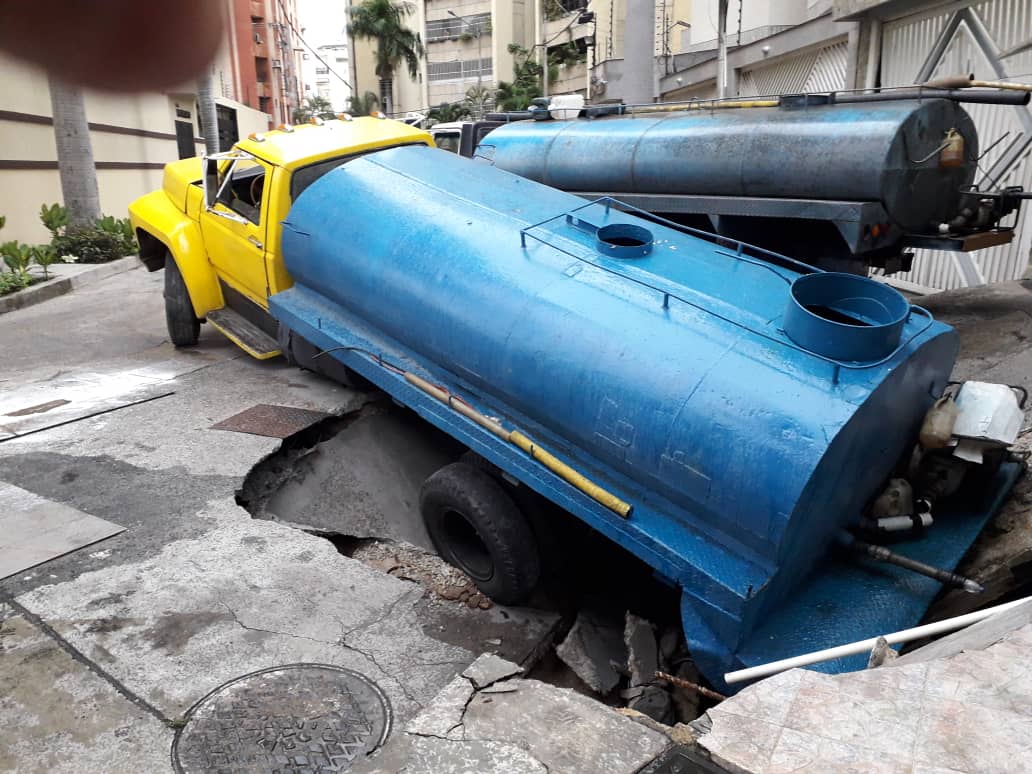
(990, 39)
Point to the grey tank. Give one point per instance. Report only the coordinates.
(886, 152)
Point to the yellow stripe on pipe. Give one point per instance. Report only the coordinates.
(571, 476)
(515, 437)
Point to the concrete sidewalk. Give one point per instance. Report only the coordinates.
(66, 277)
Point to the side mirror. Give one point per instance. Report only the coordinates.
(211, 181)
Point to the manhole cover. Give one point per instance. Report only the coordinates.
(271, 421)
(289, 719)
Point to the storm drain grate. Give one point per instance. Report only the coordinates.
(289, 719)
(271, 421)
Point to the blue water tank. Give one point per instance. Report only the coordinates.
(746, 408)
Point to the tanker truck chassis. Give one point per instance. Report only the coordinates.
(726, 414)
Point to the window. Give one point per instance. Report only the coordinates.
(322, 70)
(305, 176)
(450, 28)
(459, 69)
(241, 186)
(448, 142)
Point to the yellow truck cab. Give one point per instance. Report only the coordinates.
(215, 224)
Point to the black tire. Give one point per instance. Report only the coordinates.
(183, 327)
(476, 526)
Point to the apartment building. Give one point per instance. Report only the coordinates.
(260, 65)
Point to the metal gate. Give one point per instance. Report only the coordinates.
(820, 70)
(990, 39)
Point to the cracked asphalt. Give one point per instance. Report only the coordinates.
(103, 650)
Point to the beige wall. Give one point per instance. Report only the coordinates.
(26, 137)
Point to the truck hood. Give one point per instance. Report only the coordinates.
(179, 176)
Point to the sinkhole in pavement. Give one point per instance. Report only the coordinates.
(355, 479)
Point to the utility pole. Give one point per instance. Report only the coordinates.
(722, 49)
(544, 49)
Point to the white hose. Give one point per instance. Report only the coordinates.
(864, 646)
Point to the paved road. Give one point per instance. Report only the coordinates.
(103, 650)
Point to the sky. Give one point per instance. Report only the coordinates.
(323, 20)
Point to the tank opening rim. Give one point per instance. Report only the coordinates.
(624, 240)
(845, 316)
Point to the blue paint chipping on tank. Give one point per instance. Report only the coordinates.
(668, 374)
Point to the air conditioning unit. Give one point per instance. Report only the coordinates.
(277, 63)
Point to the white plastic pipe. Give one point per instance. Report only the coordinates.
(864, 646)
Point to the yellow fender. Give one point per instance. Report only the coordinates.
(160, 225)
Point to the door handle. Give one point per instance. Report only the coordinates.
(254, 241)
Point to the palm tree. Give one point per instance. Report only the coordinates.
(447, 112)
(478, 99)
(364, 105)
(383, 21)
(74, 154)
(313, 107)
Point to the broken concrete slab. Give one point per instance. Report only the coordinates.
(565, 730)
(58, 716)
(444, 717)
(516, 725)
(642, 652)
(651, 701)
(969, 712)
(593, 649)
(413, 754)
(978, 636)
(34, 529)
(488, 669)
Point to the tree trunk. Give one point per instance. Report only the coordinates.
(208, 114)
(387, 95)
(74, 154)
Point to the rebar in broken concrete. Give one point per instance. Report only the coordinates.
(688, 685)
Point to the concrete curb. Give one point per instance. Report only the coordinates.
(58, 286)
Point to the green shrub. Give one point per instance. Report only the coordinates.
(17, 256)
(121, 228)
(43, 256)
(10, 282)
(89, 244)
(54, 218)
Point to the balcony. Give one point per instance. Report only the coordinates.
(572, 77)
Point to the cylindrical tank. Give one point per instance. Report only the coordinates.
(653, 360)
(887, 152)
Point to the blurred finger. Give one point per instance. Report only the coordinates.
(118, 45)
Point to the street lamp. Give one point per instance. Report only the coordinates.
(480, 61)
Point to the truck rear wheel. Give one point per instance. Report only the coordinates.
(476, 526)
(183, 326)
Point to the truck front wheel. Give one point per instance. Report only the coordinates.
(183, 327)
(476, 526)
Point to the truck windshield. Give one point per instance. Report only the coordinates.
(305, 176)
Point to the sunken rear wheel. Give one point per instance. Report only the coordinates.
(183, 326)
(476, 526)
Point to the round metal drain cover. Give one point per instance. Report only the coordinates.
(289, 719)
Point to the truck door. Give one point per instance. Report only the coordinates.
(234, 227)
